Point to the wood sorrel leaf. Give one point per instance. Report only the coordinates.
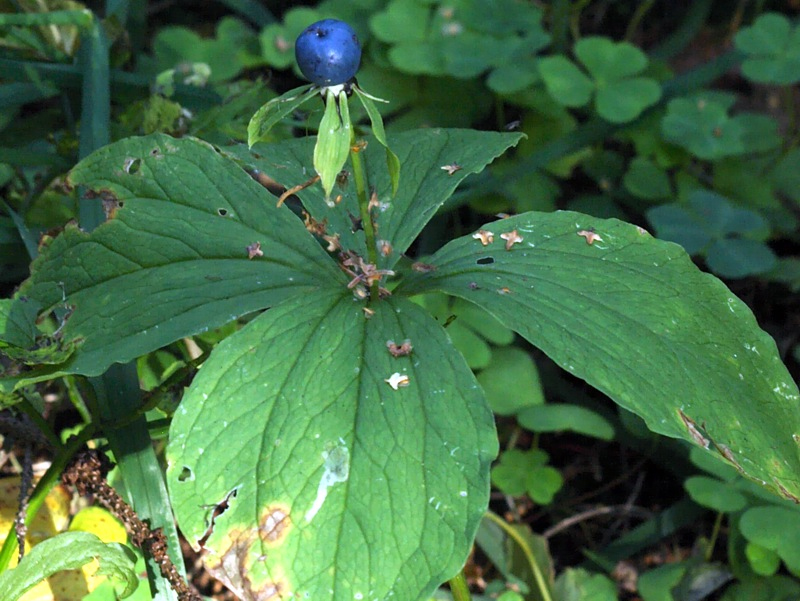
(191, 243)
(348, 472)
(333, 141)
(635, 318)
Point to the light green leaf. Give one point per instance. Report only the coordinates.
(563, 417)
(775, 528)
(173, 260)
(427, 157)
(333, 142)
(565, 82)
(69, 551)
(392, 162)
(765, 562)
(577, 584)
(703, 370)
(625, 100)
(714, 494)
(511, 381)
(338, 485)
(275, 111)
(607, 60)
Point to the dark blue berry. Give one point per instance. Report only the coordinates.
(328, 52)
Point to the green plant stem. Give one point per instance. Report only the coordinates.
(362, 190)
(459, 588)
(714, 534)
(641, 10)
(535, 570)
(43, 487)
(787, 94)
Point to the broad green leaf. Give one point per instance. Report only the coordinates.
(174, 259)
(18, 322)
(636, 319)
(69, 551)
(655, 584)
(338, 485)
(333, 142)
(428, 157)
(275, 111)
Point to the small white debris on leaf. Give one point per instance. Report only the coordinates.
(485, 236)
(254, 250)
(333, 242)
(423, 267)
(641, 230)
(591, 236)
(396, 380)
(368, 313)
(503, 290)
(511, 238)
(451, 168)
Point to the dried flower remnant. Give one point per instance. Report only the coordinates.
(451, 168)
(294, 189)
(385, 247)
(368, 313)
(333, 243)
(254, 250)
(485, 236)
(504, 290)
(511, 238)
(591, 236)
(373, 203)
(397, 380)
(399, 350)
(318, 228)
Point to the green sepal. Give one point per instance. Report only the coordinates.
(392, 162)
(333, 141)
(274, 111)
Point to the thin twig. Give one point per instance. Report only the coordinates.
(593, 513)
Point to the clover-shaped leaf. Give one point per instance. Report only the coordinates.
(702, 126)
(773, 49)
(226, 54)
(730, 238)
(461, 40)
(277, 40)
(520, 472)
(614, 78)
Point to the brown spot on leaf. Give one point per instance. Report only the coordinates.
(385, 247)
(694, 431)
(232, 568)
(423, 267)
(504, 290)
(110, 205)
(728, 454)
(785, 492)
(274, 525)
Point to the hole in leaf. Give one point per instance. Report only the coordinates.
(485, 261)
(222, 212)
(155, 152)
(186, 474)
(132, 166)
